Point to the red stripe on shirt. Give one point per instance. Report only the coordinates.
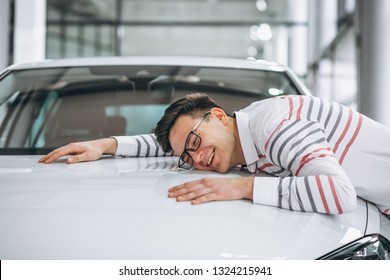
(352, 139)
(264, 166)
(315, 151)
(321, 190)
(304, 162)
(269, 138)
(300, 107)
(334, 193)
(336, 146)
(307, 161)
(290, 103)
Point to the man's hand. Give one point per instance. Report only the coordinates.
(212, 189)
(82, 151)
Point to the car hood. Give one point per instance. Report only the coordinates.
(118, 208)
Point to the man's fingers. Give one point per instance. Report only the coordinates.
(77, 158)
(71, 159)
(205, 198)
(43, 159)
(193, 194)
(58, 153)
(53, 156)
(49, 158)
(187, 185)
(184, 189)
(179, 187)
(210, 189)
(81, 151)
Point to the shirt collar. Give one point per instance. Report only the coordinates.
(247, 144)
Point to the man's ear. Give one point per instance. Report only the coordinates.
(219, 114)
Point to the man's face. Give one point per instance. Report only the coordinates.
(216, 146)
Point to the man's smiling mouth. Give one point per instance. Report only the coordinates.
(211, 157)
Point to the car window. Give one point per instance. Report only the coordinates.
(47, 108)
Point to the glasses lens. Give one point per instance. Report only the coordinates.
(186, 161)
(193, 142)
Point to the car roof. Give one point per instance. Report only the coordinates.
(153, 60)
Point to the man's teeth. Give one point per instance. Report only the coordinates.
(210, 158)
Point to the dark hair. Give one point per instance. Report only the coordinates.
(194, 105)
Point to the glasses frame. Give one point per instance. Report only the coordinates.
(187, 165)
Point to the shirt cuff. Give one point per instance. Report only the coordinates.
(127, 146)
(265, 190)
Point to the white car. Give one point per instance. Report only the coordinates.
(118, 208)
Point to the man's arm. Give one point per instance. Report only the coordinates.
(143, 145)
(329, 192)
(127, 146)
(317, 182)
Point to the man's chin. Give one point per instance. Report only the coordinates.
(218, 169)
(222, 169)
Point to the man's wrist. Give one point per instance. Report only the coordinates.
(109, 145)
(248, 186)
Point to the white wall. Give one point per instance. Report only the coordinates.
(4, 33)
(30, 30)
(374, 59)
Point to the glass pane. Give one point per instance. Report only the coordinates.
(81, 10)
(47, 108)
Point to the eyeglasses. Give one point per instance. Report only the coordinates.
(192, 144)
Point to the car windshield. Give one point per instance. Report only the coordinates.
(41, 109)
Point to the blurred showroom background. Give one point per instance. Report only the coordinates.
(337, 47)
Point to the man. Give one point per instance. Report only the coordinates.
(321, 153)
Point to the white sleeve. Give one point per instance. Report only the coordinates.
(144, 145)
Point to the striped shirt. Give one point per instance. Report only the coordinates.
(320, 154)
